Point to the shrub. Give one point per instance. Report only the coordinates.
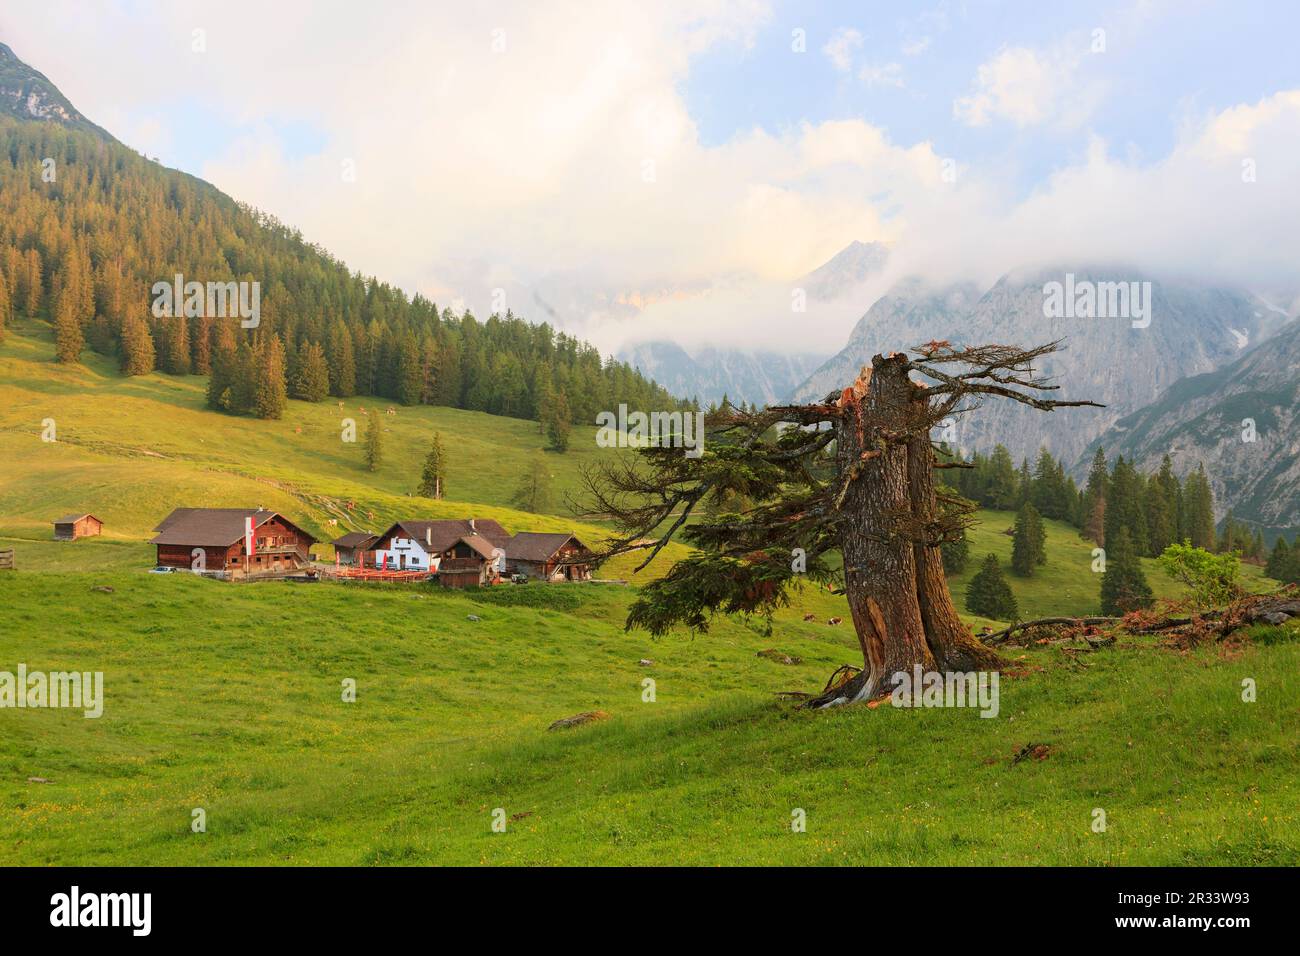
(1212, 578)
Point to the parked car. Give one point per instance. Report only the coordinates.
(518, 579)
(162, 570)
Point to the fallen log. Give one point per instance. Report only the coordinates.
(1001, 637)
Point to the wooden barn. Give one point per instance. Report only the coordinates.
(548, 557)
(234, 543)
(72, 527)
(350, 550)
(461, 552)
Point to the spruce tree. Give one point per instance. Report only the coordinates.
(176, 346)
(956, 554)
(269, 393)
(1002, 491)
(1169, 486)
(1028, 541)
(1094, 498)
(1290, 570)
(1198, 505)
(1124, 587)
(989, 595)
(137, 347)
(343, 372)
(432, 484)
(311, 380)
(1279, 559)
(374, 442)
(220, 395)
(1094, 525)
(243, 378)
(33, 287)
(1161, 525)
(1124, 504)
(409, 379)
(559, 425)
(1048, 492)
(68, 340)
(1024, 484)
(6, 310)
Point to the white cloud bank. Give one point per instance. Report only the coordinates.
(546, 149)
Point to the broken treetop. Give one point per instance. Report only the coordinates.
(215, 526)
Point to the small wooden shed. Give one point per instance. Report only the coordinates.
(72, 527)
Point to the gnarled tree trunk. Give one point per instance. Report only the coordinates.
(894, 580)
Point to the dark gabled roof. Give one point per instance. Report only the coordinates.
(491, 530)
(479, 544)
(438, 536)
(355, 539)
(537, 545)
(73, 519)
(214, 526)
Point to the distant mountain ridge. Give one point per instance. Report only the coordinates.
(756, 376)
(1210, 418)
(27, 94)
(1194, 329)
(762, 378)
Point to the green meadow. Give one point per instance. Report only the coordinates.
(229, 699)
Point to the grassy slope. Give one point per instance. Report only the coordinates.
(227, 698)
(130, 450)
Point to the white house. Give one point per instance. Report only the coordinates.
(423, 545)
(405, 554)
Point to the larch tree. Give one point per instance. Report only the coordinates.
(852, 474)
(533, 492)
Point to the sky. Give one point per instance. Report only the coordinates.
(636, 171)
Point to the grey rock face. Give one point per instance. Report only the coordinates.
(1192, 330)
(1212, 418)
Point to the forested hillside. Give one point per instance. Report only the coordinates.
(87, 226)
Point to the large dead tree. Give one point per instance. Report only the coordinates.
(852, 475)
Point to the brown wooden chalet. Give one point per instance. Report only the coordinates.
(461, 552)
(72, 527)
(352, 547)
(548, 557)
(278, 545)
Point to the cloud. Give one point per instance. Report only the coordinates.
(568, 170)
(840, 47)
(1027, 87)
(1197, 212)
(885, 74)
